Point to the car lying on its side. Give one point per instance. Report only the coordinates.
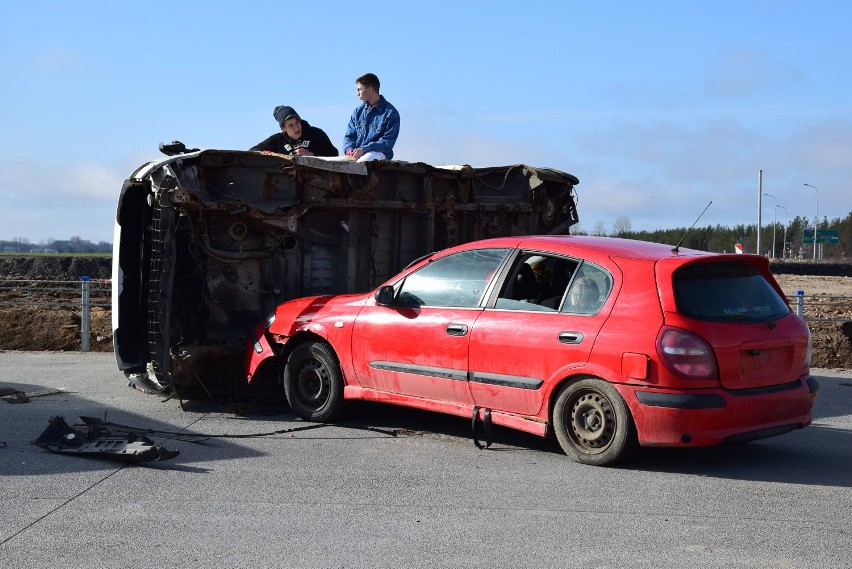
(608, 344)
(207, 242)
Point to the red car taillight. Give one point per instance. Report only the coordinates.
(687, 354)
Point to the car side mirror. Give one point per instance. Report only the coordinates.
(385, 295)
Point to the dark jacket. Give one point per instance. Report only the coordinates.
(313, 138)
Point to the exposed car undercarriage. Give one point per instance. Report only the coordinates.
(209, 242)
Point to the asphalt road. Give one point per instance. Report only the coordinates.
(343, 496)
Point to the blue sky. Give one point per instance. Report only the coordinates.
(657, 107)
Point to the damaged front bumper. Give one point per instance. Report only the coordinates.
(259, 350)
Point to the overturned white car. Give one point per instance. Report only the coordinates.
(209, 242)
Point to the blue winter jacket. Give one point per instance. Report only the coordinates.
(374, 129)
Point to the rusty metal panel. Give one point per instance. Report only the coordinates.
(234, 233)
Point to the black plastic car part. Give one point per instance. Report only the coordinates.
(98, 440)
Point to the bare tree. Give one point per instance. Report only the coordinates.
(600, 228)
(622, 226)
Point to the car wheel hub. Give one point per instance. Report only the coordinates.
(593, 421)
(312, 382)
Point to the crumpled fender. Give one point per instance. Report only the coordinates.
(291, 317)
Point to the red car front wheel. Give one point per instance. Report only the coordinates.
(313, 382)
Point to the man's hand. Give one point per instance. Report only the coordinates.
(356, 153)
(303, 152)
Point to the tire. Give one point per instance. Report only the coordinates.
(593, 424)
(313, 383)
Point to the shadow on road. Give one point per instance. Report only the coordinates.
(22, 423)
(819, 455)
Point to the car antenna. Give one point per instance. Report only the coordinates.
(676, 247)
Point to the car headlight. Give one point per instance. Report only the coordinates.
(270, 319)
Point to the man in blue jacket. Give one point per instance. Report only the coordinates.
(374, 126)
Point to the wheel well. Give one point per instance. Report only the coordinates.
(268, 375)
(298, 340)
(272, 373)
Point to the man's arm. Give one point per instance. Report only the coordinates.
(387, 138)
(350, 139)
(268, 145)
(324, 145)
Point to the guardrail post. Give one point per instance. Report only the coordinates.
(800, 303)
(84, 317)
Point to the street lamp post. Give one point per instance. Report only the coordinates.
(816, 220)
(786, 222)
(774, 222)
(759, 207)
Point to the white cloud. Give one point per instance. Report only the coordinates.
(44, 200)
(27, 182)
(662, 175)
(749, 71)
(95, 181)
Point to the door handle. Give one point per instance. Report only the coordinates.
(570, 337)
(457, 329)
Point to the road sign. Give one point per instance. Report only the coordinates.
(827, 236)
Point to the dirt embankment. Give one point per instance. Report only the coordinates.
(54, 323)
(52, 327)
(832, 341)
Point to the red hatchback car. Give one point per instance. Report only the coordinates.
(607, 343)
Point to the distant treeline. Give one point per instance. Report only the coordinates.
(72, 245)
(723, 239)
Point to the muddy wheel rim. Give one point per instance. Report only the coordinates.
(313, 384)
(593, 421)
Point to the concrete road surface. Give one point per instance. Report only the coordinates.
(345, 496)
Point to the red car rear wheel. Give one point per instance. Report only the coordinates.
(593, 424)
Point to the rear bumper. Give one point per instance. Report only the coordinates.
(717, 416)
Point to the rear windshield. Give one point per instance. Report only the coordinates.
(728, 292)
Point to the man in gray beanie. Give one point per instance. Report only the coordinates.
(297, 137)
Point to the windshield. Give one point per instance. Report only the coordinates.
(730, 292)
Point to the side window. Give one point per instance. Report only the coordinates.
(457, 280)
(588, 291)
(536, 282)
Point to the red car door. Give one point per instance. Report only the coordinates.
(420, 352)
(418, 344)
(517, 347)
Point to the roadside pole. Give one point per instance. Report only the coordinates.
(84, 316)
